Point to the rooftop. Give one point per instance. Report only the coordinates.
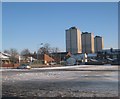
(73, 27)
(98, 36)
(86, 33)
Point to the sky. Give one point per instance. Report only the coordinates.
(28, 24)
(60, 1)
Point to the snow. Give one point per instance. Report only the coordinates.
(80, 67)
(53, 80)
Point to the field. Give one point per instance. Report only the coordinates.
(69, 81)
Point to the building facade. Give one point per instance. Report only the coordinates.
(87, 42)
(73, 40)
(98, 43)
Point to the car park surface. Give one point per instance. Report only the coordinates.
(69, 81)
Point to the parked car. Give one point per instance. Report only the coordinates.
(53, 63)
(24, 66)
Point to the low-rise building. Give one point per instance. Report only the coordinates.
(5, 58)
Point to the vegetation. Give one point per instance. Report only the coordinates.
(14, 54)
(45, 49)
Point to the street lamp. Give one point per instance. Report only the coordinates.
(37, 50)
(60, 57)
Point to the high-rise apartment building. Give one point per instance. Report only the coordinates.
(87, 42)
(98, 43)
(73, 40)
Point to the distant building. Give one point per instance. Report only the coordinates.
(61, 56)
(73, 40)
(87, 42)
(109, 56)
(44, 58)
(98, 43)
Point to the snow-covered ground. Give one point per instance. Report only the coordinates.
(78, 67)
(69, 81)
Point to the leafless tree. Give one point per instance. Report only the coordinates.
(25, 52)
(7, 51)
(13, 52)
(45, 49)
(55, 50)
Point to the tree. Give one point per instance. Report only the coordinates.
(7, 51)
(55, 54)
(55, 50)
(25, 52)
(45, 49)
(111, 50)
(13, 52)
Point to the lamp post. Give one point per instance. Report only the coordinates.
(60, 57)
(51, 58)
(19, 59)
(38, 49)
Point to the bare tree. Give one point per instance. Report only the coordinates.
(55, 50)
(7, 51)
(25, 52)
(13, 52)
(54, 53)
(45, 49)
(41, 50)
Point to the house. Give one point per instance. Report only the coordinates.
(40, 58)
(5, 58)
(61, 56)
(47, 58)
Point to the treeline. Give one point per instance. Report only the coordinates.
(44, 49)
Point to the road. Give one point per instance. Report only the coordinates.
(78, 81)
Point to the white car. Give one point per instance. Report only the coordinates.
(53, 63)
(24, 66)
